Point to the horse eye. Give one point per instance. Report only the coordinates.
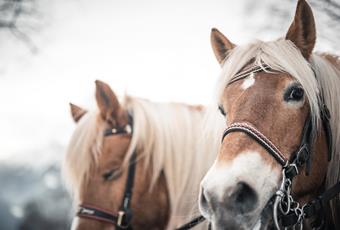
(221, 109)
(112, 174)
(294, 94)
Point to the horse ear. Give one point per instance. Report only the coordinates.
(220, 45)
(302, 30)
(107, 101)
(77, 112)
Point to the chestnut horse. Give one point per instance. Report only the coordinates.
(141, 152)
(278, 164)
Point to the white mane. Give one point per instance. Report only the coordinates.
(328, 77)
(172, 139)
(282, 55)
(82, 152)
(169, 136)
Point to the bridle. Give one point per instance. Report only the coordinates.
(121, 219)
(286, 211)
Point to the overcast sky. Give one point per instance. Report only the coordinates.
(158, 50)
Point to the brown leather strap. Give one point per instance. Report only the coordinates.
(258, 137)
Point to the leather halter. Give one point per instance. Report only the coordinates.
(290, 166)
(122, 219)
(301, 155)
(291, 216)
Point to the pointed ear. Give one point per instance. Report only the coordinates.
(77, 112)
(107, 101)
(220, 45)
(302, 30)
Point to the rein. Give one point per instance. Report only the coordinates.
(121, 219)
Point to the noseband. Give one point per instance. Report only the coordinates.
(122, 219)
(302, 154)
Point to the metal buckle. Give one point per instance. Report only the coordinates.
(128, 129)
(295, 168)
(288, 170)
(85, 211)
(120, 220)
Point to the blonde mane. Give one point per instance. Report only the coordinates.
(82, 152)
(170, 139)
(318, 76)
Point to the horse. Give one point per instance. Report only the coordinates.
(135, 163)
(279, 161)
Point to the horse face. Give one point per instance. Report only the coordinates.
(245, 176)
(105, 182)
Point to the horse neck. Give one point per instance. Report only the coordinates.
(334, 167)
(329, 69)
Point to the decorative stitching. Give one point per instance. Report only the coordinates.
(249, 129)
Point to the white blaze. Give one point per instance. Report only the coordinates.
(248, 82)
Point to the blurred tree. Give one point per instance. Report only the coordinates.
(33, 198)
(273, 17)
(15, 17)
(35, 219)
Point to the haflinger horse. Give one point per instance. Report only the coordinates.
(278, 164)
(135, 164)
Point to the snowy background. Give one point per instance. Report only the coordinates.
(158, 50)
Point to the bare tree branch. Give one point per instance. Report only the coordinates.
(11, 12)
(277, 16)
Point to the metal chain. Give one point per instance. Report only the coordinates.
(285, 204)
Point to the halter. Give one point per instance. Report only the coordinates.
(121, 219)
(286, 211)
(302, 154)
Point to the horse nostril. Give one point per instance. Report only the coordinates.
(203, 200)
(204, 203)
(244, 198)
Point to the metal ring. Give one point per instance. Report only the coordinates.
(287, 202)
(299, 212)
(275, 215)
